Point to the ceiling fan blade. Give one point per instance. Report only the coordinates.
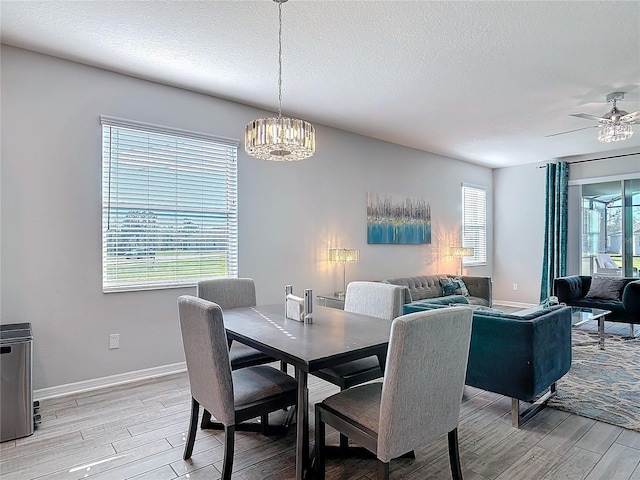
(632, 117)
(586, 115)
(571, 131)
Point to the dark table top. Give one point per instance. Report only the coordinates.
(335, 336)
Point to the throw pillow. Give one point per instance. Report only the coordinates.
(605, 288)
(454, 286)
(463, 287)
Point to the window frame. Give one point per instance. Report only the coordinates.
(165, 164)
(478, 241)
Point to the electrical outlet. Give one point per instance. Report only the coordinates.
(515, 286)
(114, 340)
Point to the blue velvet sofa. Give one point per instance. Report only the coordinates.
(521, 357)
(622, 299)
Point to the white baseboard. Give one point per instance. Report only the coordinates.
(513, 304)
(103, 382)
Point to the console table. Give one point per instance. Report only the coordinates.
(331, 300)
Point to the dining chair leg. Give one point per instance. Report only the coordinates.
(193, 425)
(454, 455)
(383, 470)
(227, 463)
(344, 441)
(264, 424)
(319, 446)
(206, 419)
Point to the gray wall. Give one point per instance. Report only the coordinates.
(518, 229)
(289, 214)
(518, 232)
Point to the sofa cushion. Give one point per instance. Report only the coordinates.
(458, 300)
(477, 301)
(606, 288)
(454, 286)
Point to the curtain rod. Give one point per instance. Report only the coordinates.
(594, 159)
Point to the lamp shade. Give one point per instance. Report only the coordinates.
(344, 255)
(461, 252)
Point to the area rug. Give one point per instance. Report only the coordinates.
(602, 384)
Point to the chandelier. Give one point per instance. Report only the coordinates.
(280, 139)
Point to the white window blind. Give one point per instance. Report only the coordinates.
(169, 206)
(474, 224)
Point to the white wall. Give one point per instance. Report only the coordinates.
(289, 214)
(519, 211)
(594, 170)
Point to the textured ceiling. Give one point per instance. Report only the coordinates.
(479, 81)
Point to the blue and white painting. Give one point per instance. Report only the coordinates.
(396, 219)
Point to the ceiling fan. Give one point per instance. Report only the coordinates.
(614, 126)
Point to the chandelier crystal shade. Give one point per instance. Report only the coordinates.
(614, 132)
(280, 139)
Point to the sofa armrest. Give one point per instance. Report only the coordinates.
(631, 299)
(571, 288)
(479, 287)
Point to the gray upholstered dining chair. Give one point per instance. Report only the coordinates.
(418, 399)
(376, 299)
(234, 293)
(231, 396)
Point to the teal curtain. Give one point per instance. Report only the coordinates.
(555, 233)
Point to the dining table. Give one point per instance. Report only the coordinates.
(335, 336)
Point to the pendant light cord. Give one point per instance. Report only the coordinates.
(279, 60)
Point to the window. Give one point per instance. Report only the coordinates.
(169, 206)
(474, 224)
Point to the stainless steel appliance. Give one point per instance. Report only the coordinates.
(16, 390)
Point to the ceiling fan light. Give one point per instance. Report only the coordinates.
(614, 132)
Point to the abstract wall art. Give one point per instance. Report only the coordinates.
(397, 219)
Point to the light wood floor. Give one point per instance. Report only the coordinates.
(138, 431)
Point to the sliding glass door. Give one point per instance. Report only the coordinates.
(611, 228)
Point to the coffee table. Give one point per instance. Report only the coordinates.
(580, 315)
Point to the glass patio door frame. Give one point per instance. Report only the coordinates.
(584, 258)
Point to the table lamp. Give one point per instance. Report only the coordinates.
(343, 256)
(460, 252)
